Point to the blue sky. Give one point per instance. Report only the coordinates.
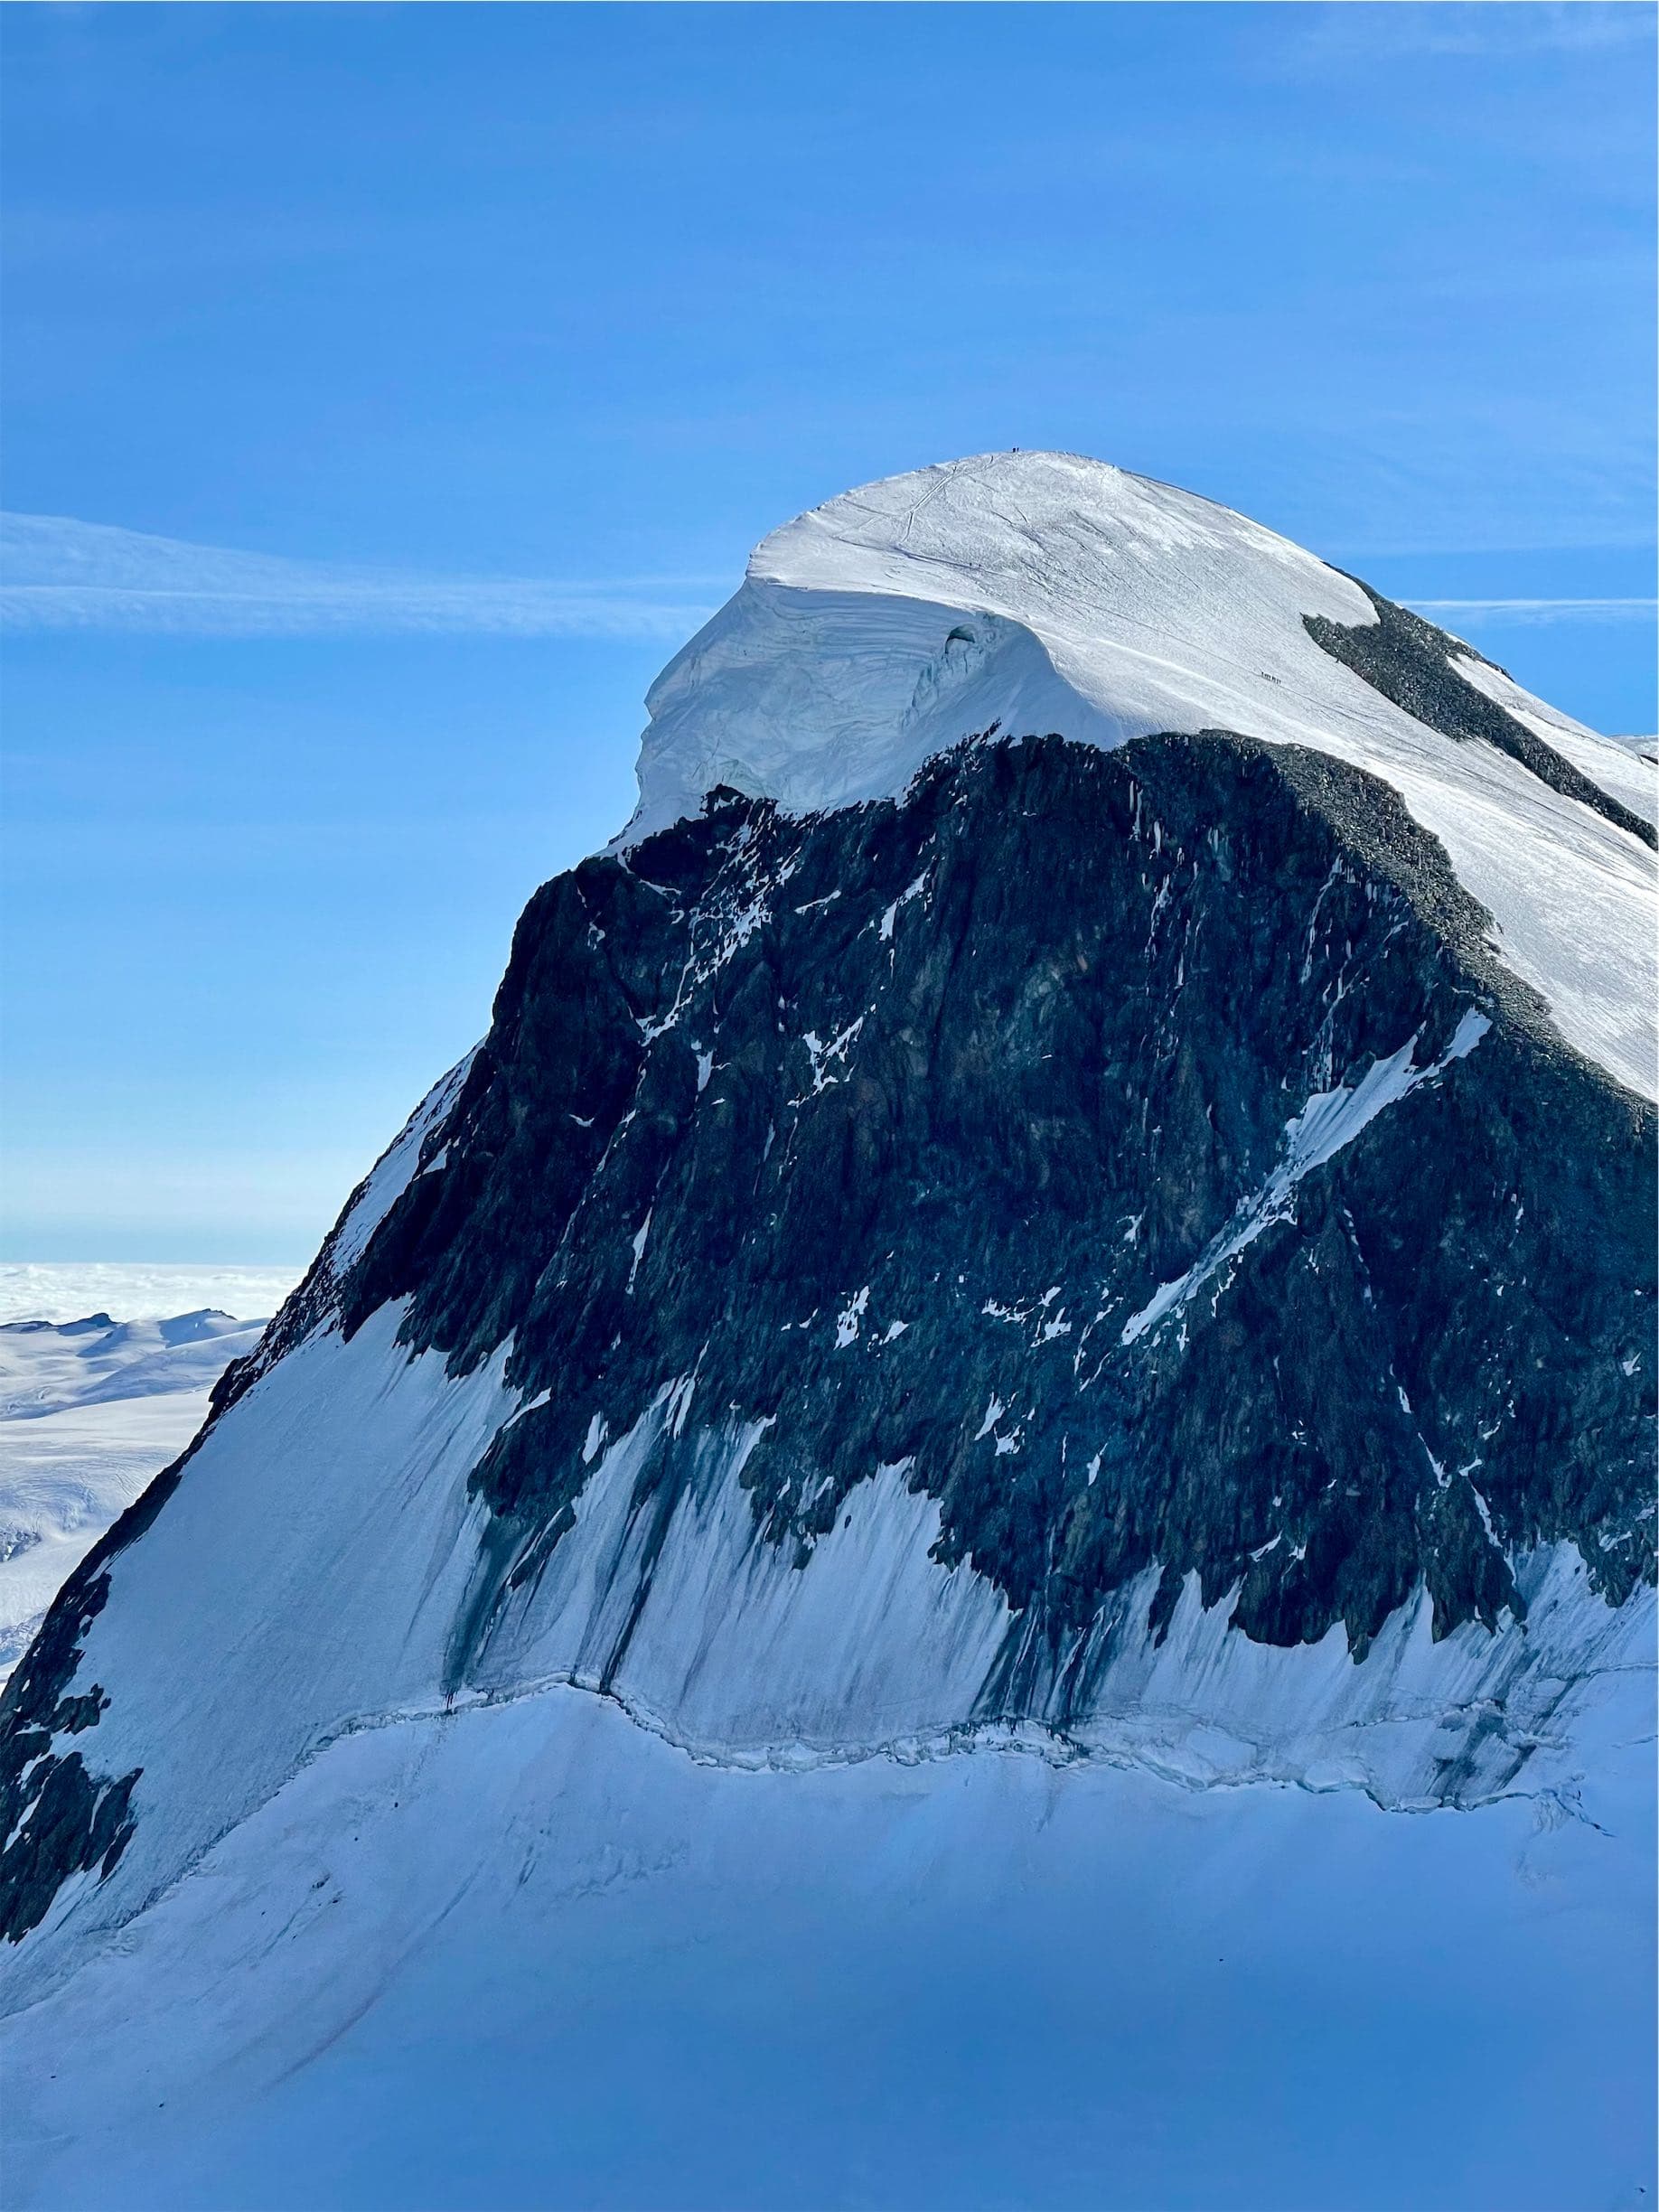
(455, 356)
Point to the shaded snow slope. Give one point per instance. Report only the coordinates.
(305, 1572)
(1044, 592)
(746, 1658)
(357, 1548)
(532, 1958)
(89, 1412)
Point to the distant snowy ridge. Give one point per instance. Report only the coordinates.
(90, 1412)
(1045, 592)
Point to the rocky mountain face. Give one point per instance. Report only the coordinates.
(1104, 1138)
(1107, 1242)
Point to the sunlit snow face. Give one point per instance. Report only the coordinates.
(1104, 606)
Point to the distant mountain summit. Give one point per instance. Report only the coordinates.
(1081, 1176)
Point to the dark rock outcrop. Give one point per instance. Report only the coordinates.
(1411, 663)
(995, 1063)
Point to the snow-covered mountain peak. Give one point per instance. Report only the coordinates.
(993, 1318)
(1040, 593)
(1054, 540)
(1110, 605)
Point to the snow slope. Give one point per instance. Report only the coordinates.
(323, 1545)
(89, 1412)
(1046, 591)
(1621, 768)
(528, 1957)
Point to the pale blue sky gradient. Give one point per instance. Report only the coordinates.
(400, 384)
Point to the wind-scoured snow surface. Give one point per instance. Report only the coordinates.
(1044, 592)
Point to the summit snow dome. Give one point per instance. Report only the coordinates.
(1043, 592)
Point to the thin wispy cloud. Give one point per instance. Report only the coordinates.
(1350, 32)
(59, 574)
(1541, 610)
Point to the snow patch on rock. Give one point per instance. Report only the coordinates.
(1329, 1120)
